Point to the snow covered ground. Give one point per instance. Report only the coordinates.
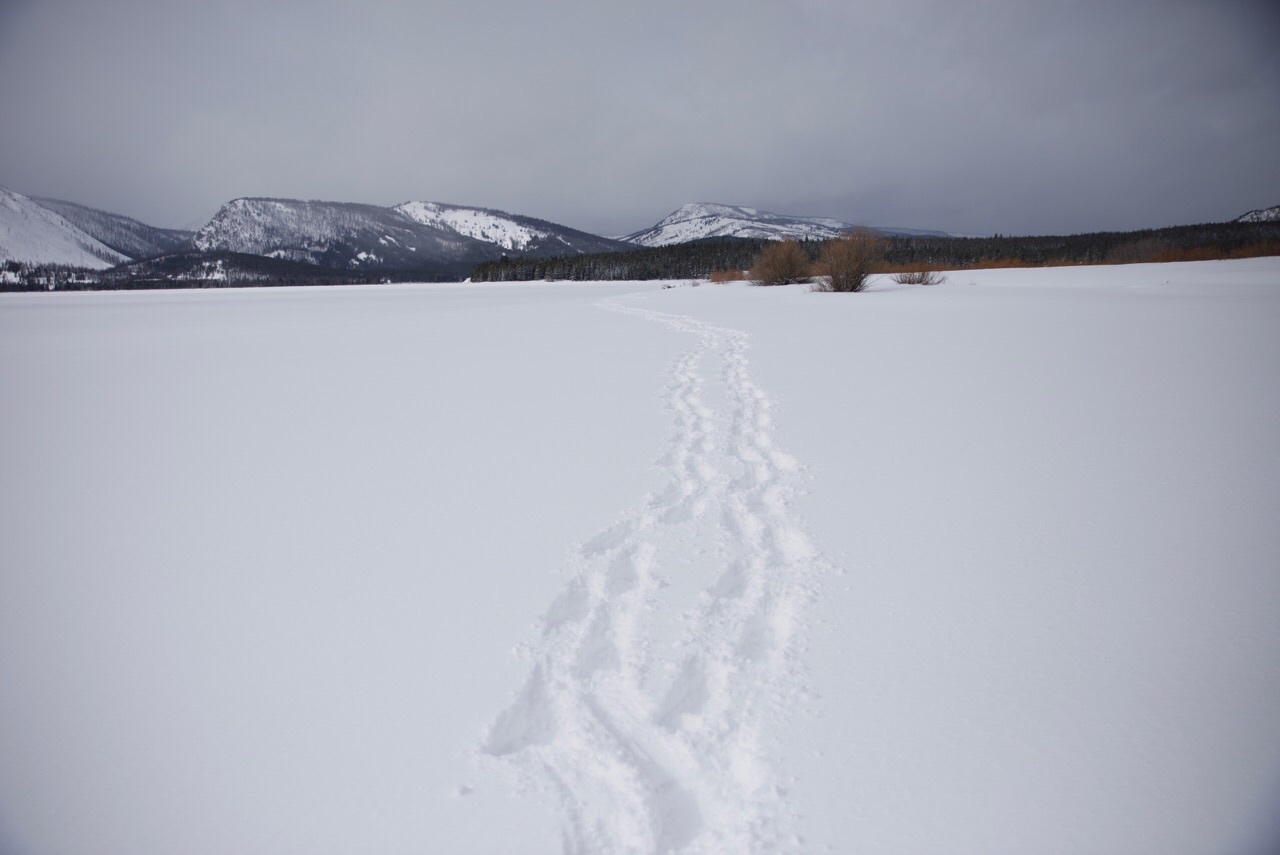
(989, 567)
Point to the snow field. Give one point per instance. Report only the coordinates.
(987, 567)
(1052, 495)
(248, 538)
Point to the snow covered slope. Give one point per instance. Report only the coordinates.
(123, 234)
(507, 231)
(1265, 215)
(32, 233)
(333, 234)
(411, 236)
(697, 221)
(987, 568)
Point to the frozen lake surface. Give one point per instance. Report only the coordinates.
(987, 567)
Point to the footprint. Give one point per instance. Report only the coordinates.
(529, 720)
(598, 650)
(687, 696)
(610, 538)
(732, 583)
(621, 576)
(569, 607)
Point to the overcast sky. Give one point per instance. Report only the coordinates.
(972, 117)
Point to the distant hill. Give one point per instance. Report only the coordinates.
(32, 234)
(1265, 215)
(124, 234)
(508, 232)
(705, 220)
(425, 236)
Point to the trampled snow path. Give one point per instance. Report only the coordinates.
(661, 666)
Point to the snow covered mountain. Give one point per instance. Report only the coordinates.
(333, 234)
(511, 232)
(123, 234)
(31, 233)
(1265, 215)
(700, 220)
(411, 236)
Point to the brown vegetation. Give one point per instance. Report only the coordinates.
(846, 262)
(919, 277)
(905, 254)
(1149, 251)
(781, 263)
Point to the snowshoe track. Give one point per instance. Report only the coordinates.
(662, 664)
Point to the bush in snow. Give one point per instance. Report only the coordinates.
(919, 277)
(780, 263)
(846, 262)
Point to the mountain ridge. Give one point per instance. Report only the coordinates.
(511, 232)
(409, 236)
(1262, 215)
(31, 233)
(125, 235)
(428, 239)
(702, 220)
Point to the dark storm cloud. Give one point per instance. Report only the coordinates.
(973, 117)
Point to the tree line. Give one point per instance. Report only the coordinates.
(678, 261)
(1174, 243)
(198, 270)
(702, 259)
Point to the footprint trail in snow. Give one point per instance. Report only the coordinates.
(660, 667)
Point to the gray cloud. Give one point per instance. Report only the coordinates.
(976, 117)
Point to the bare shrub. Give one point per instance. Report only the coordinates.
(919, 277)
(727, 275)
(780, 263)
(846, 262)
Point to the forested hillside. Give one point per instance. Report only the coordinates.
(700, 259)
(123, 234)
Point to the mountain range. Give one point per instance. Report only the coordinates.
(427, 239)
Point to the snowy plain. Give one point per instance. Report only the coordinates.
(987, 567)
